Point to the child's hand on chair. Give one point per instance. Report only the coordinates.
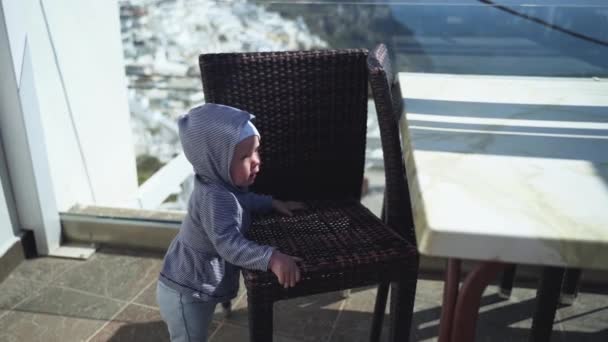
(285, 268)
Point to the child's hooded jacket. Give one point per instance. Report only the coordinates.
(201, 259)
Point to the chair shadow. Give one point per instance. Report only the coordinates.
(499, 323)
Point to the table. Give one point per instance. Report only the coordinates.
(505, 170)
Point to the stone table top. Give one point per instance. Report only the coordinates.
(511, 169)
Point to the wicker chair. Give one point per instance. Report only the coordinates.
(397, 212)
(311, 111)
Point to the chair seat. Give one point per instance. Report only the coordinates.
(341, 244)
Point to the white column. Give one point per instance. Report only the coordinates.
(25, 148)
(7, 233)
(64, 112)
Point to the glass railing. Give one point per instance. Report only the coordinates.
(162, 41)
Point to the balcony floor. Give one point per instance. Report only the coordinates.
(111, 297)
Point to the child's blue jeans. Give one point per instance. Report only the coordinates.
(187, 318)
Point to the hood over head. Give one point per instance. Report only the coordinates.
(209, 134)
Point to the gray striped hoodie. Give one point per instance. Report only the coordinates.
(204, 257)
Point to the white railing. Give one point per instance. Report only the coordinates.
(164, 183)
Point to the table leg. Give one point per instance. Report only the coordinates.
(546, 303)
(506, 282)
(570, 285)
(450, 295)
(469, 298)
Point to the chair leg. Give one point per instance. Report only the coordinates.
(570, 286)
(546, 304)
(381, 294)
(403, 294)
(227, 308)
(506, 282)
(379, 308)
(260, 318)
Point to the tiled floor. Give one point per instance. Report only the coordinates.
(110, 297)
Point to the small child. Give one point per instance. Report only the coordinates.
(201, 267)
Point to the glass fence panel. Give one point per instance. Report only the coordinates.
(162, 41)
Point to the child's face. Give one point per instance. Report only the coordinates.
(245, 161)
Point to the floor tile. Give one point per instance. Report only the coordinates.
(430, 290)
(20, 326)
(67, 302)
(354, 321)
(48, 299)
(425, 322)
(515, 312)
(148, 296)
(586, 319)
(112, 275)
(57, 314)
(134, 323)
(427, 310)
(44, 269)
(307, 318)
(235, 333)
(13, 290)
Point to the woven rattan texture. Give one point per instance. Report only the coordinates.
(331, 237)
(311, 111)
(388, 99)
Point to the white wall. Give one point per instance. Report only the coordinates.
(7, 230)
(64, 111)
(77, 61)
(88, 45)
(7, 236)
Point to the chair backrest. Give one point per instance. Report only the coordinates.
(388, 99)
(311, 111)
